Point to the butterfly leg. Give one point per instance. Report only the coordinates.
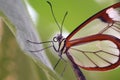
(64, 66)
(57, 63)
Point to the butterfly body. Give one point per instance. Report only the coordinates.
(71, 45)
(94, 45)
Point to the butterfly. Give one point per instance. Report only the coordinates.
(94, 45)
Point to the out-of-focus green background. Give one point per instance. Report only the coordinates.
(15, 65)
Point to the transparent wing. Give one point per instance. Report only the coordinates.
(96, 55)
(96, 26)
(95, 44)
(106, 21)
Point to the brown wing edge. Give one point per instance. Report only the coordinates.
(100, 14)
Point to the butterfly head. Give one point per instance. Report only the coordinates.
(58, 38)
(59, 44)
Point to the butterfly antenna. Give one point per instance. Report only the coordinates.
(63, 21)
(54, 15)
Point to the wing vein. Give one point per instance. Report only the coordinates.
(95, 53)
(85, 55)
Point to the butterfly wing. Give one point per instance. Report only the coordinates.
(95, 44)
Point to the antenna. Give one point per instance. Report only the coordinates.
(60, 27)
(63, 21)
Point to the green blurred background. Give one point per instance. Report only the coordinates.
(15, 65)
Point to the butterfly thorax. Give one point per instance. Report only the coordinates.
(59, 44)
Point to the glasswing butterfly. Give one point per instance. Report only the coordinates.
(94, 44)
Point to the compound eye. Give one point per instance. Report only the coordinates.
(55, 39)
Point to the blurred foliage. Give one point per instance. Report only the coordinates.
(15, 65)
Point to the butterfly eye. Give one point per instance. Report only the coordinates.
(55, 39)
